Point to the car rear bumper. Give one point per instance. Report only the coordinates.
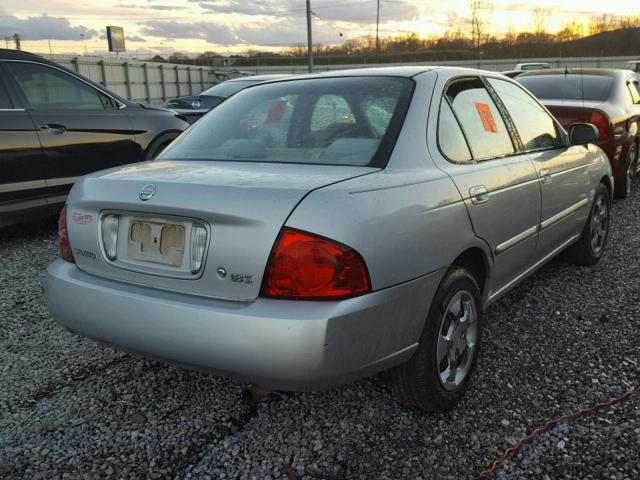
(286, 345)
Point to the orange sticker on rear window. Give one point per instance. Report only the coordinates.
(488, 122)
(276, 110)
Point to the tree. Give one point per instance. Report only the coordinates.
(540, 16)
(602, 23)
(479, 23)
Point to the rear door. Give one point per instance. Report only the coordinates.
(562, 169)
(22, 179)
(81, 129)
(498, 184)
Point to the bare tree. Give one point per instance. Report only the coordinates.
(540, 17)
(479, 22)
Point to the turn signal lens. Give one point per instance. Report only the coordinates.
(305, 266)
(110, 236)
(602, 123)
(63, 237)
(198, 246)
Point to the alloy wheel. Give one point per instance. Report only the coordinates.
(599, 224)
(457, 340)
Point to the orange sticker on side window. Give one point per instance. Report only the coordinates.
(276, 110)
(488, 122)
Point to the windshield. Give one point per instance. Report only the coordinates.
(569, 87)
(334, 121)
(226, 89)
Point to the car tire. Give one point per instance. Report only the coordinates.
(623, 186)
(159, 144)
(422, 381)
(592, 243)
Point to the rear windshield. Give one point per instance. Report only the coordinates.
(226, 89)
(333, 121)
(569, 87)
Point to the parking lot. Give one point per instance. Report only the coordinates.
(564, 339)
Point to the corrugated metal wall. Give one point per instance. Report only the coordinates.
(148, 82)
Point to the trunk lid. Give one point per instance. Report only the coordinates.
(243, 206)
(569, 112)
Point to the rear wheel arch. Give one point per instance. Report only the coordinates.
(159, 143)
(475, 261)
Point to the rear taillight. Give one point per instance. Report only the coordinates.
(306, 266)
(63, 237)
(602, 123)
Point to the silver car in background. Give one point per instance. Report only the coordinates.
(315, 230)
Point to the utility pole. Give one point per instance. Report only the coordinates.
(309, 37)
(84, 45)
(378, 28)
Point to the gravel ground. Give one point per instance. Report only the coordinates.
(564, 339)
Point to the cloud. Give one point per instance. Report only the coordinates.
(362, 12)
(210, 32)
(265, 32)
(43, 27)
(134, 39)
(167, 8)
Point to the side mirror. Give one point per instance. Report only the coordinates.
(583, 134)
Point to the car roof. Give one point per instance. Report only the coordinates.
(258, 78)
(405, 71)
(8, 54)
(605, 72)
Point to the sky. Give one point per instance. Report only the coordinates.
(236, 26)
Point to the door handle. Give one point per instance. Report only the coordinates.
(478, 194)
(545, 176)
(53, 127)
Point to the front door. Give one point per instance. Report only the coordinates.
(81, 129)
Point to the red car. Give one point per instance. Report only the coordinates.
(606, 98)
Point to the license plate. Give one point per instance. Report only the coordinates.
(153, 242)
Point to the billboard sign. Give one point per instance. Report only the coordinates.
(115, 37)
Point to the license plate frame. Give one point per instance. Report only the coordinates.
(155, 242)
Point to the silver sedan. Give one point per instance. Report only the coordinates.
(315, 230)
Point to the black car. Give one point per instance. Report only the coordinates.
(192, 108)
(56, 125)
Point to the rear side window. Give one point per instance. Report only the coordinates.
(536, 127)
(569, 87)
(46, 88)
(5, 102)
(632, 85)
(450, 137)
(480, 119)
(351, 121)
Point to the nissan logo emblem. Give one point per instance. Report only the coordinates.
(147, 192)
